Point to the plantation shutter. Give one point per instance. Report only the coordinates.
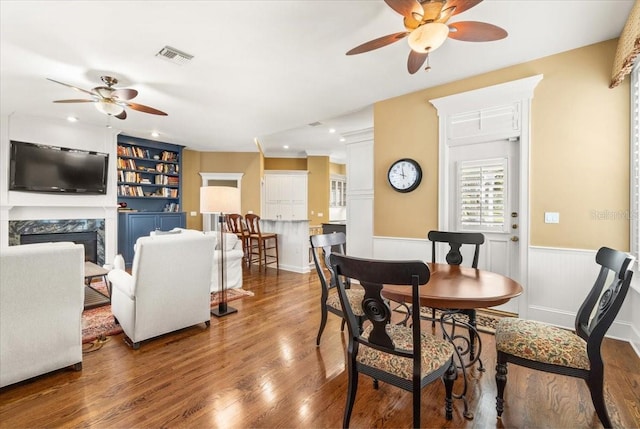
(482, 195)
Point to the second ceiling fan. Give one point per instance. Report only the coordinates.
(426, 25)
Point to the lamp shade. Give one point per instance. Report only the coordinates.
(428, 37)
(219, 199)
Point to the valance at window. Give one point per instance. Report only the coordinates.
(628, 47)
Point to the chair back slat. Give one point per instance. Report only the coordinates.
(606, 300)
(253, 223)
(372, 275)
(321, 247)
(455, 240)
(235, 223)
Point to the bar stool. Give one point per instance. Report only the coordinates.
(236, 225)
(260, 243)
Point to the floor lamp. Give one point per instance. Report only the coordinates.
(221, 200)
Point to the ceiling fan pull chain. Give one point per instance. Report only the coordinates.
(428, 67)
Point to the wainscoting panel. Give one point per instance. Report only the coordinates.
(401, 248)
(559, 280)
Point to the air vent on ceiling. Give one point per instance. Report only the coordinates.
(315, 124)
(174, 55)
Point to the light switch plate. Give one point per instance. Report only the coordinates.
(551, 217)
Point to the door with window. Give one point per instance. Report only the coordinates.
(485, 179)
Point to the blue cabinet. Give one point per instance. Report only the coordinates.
(134, 225)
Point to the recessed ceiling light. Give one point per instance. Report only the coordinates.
(342, 139)
(332, 130)
(155, 134)
(285, 147)
(72, 119)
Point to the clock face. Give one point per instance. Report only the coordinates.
(404, 175)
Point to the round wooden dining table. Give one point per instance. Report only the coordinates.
(455, 288)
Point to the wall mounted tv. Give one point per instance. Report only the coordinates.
(43, 168)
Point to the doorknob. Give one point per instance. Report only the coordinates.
(515, 239)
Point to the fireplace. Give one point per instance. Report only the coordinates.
(89, 232)
(88, 239)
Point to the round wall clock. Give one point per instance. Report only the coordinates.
(404, 175)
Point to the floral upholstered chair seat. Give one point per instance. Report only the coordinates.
(355, 300)
(541, 343)
(546, 348)
(436, 352)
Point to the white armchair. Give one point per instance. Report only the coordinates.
(233, 254)
(41, 303)
(168, 288)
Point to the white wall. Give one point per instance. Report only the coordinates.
(33, 206)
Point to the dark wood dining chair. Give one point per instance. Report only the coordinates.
(260, 243)
(397, 354)
(551, 349)
(236, 225)
(321, 247)
(456, 240)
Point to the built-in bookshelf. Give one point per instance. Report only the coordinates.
(148, 175)
(149, 190)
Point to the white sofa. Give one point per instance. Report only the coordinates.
(41, 304)
(232, 257)
(168, 288)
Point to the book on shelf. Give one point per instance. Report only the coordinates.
(169, 156)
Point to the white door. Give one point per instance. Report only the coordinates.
(485, 180)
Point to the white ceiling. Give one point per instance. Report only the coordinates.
(261, 69)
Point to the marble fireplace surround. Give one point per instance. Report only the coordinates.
(58, 226)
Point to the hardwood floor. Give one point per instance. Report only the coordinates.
(260, 368)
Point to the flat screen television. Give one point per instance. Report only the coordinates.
(42, 168)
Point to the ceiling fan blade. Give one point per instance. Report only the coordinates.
(124, 94)
(76, 100)
(445, 14)
(377, 43)
(462, 5)
(122, 115)
(406, 8)
(415, 61)
(72, 87)
(474, 31)
(145, 109)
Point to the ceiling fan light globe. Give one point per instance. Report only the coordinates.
(428, 37)
(109, 107)
(103, 91)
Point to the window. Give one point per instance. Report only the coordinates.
(635, 161)
(482, 193)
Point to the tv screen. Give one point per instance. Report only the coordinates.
(42, 168)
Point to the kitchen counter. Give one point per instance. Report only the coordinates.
(293, 242)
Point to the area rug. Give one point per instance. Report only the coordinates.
(486, 318)
(98, 323)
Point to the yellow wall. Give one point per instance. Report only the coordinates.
(194, 163)
(318, 189)
(338, 169)
(285, 164)
(579, 151)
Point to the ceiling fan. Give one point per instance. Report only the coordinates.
(109, 100)
(426, 25)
